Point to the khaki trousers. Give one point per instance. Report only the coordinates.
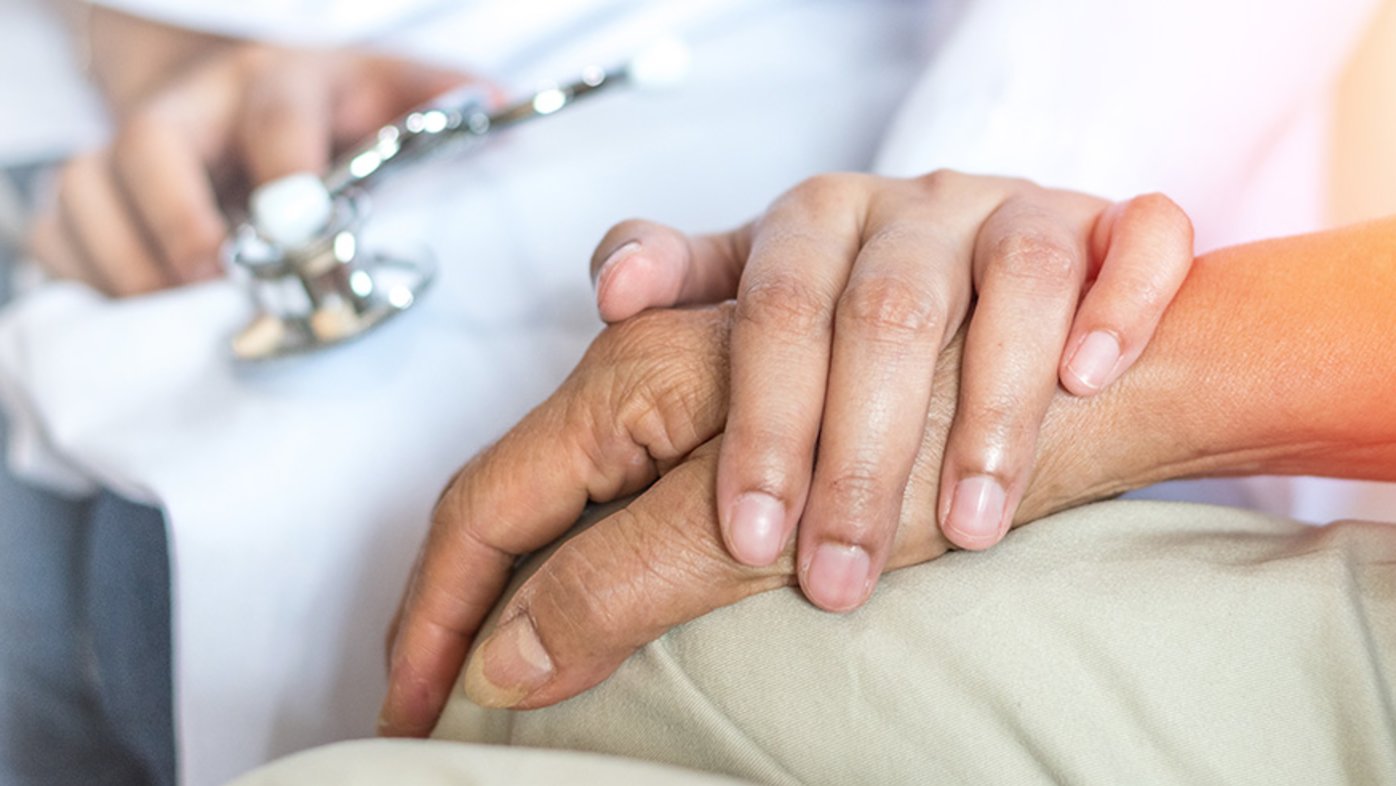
(1123, 642)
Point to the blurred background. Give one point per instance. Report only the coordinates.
(137, 528)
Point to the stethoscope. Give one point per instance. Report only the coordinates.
(313, 283)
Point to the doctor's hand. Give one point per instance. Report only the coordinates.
(847, 289)
(644, 411)
(147, 212)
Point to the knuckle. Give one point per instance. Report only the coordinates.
(1158, 210)
(947, 182)
(450, 508)
(184, 229)
(612, 458)
(272, 111)
(889, 306)
(659, 381)
(444, 512)
(782, 302)
(1035, 259)
(255, 59)
(1141, 295)
(565, 594)
(857, 489)
(190, 235)
(599, 584)
(859, 482)
(942, 180)
(1161, 206)
(771, 459)
(1154, 203)
(667, 416)
(451, 518)
(993, 422)
(823, 190)
(639, 340)
(139, 130)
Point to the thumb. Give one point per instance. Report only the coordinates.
(613, 588)
(628, 413)
(641, 264)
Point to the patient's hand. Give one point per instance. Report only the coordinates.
(648, 401)
(146, 212)
(1273, 359)
(847, 289)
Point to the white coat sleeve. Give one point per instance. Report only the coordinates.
(302, 22)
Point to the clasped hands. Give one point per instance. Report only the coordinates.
(873, 372)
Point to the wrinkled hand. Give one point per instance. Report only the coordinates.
(145, 213)
(847, 290)
(648, 401)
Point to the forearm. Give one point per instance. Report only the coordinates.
(1275, 358)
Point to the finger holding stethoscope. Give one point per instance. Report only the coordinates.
(146, 213)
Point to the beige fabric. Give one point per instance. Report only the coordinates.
(403, 763)
(1126, 642)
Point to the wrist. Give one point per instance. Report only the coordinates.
(1272, 360)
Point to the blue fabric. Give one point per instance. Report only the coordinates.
(85, 666)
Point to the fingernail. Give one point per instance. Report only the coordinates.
(1095, 360)
(402, 712)
(616, 256)
(838, 576)
(976, 512)
(757, 528)
(510, 665)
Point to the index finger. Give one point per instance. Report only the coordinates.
(465, 563)
(799, 263)
(611, 589)
(625, 581)
(604, 434)
(285, 125)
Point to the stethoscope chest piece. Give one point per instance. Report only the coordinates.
(313, 283)
(328, 292)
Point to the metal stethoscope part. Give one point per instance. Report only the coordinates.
(314, 284)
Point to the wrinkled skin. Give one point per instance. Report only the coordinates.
(643, 411)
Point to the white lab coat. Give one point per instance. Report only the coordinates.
(297, 493)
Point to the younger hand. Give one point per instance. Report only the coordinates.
(146, 212)
(847, 290)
